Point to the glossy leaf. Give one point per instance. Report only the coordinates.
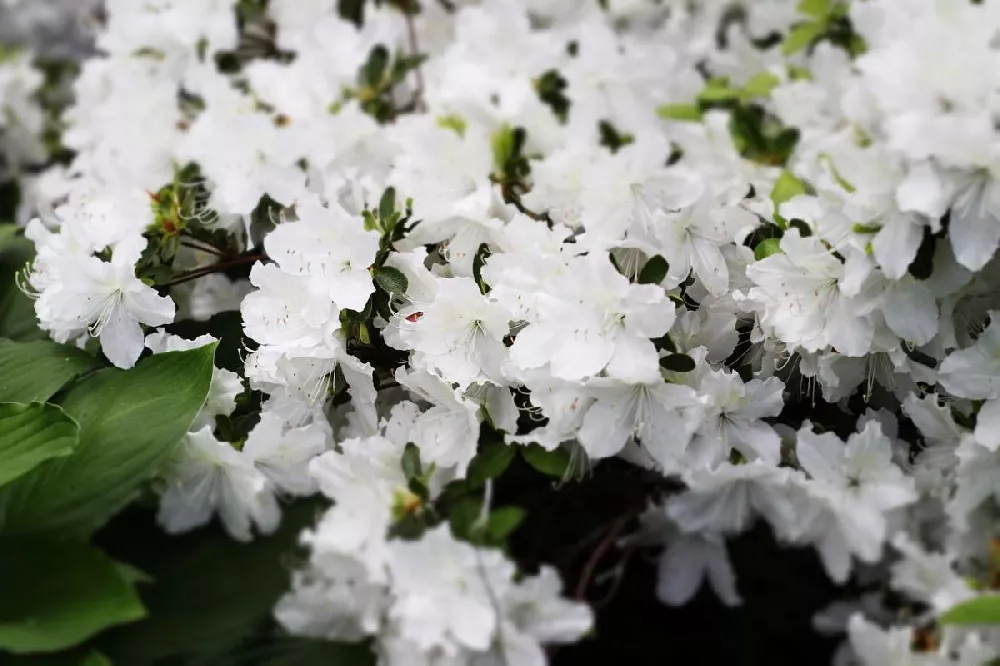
(32, 434)
(131, 421)
(31, 371)
(56, 595)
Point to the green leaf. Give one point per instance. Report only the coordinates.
(866, 228)
(805, 231)
(612, 138)
(766, 248)
(133, 574)
(391, 280)
(292, 651)
(32, 434)
(463, 517)
(801, 36)
(664, 343)
(492, 460)
(799, 73)
(553, 463)
(211, 592)
(387, 205)
(760, 85)
(677, 363)
(454, 123)
(980, 610)
(131, 421)
(56, 595)
(364, 337)
(686, 112)
(95, 659)
(718, 90)
(406, 63)
(502, 522)
(8, 231)
(655, 271)
(375, 68)
(75, 657)
(17, 311)
(35, 371)
(482, 254)
(504, 147)
(551, 89)
(817, 9)
(352, 10)
(411, 462)
(785, 188)
(857, 45)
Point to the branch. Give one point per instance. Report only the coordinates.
(511, 197)
(411, 34)
(202, 248)
(219, 267)
(587, 574)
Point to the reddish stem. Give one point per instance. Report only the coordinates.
(202, 271)
(602, 548)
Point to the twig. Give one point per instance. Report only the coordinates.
(618, 575)
(411, 34)
(602, 548)
(203, 248)
(202, 271)
(511, 197)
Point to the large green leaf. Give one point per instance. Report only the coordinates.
(56, 595)
(209, 599)
(302, 652)
(32, 371)
(554, 463)
(980, 610)
(17, 311)
(211, 593)
(130, 423)
(79, 657)
(32, 434)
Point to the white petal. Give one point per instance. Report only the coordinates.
(821, 456)
(835, 556)
(922, 191)
(122, 340)
(634, 360)
(911, 311)
(710, 266)
(680, 572)
(975, 226)
(580, 356)
(848, 333)
(722, 577)
(755, 440)
(149, 307)
(351, 289)
(988, 425)
(934, 421)
(896, 245)
(607, 425)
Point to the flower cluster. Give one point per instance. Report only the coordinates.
(748, 247)
(21, 117)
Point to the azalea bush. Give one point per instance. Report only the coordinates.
(499, 332)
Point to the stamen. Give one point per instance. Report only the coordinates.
(104, 312)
